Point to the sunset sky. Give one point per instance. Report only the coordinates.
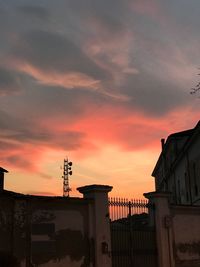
(99, 81)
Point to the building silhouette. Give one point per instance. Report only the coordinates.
(178, 167)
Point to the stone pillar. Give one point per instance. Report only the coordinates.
(163, 223)
(2, 171)
(101, 222)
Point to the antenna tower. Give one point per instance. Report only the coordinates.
(66, 172)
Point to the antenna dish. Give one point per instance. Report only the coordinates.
(66, 172)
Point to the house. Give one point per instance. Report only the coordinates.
(178, 167)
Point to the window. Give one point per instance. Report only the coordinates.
(186, 186)
(195, 180)
(179, 192)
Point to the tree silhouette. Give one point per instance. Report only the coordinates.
(195, 89)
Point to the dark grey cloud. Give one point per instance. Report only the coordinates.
(26, 135)
(55, 103)
(20, 161)
(35, 135)
(66, 107)
(111, 14)
(50, 51)
(9, 81)
(154, 96)
(111, 24)
(17, 130)
(1, 11)
(68, 140)
(34, 11)
(105, 8)
(188, 18)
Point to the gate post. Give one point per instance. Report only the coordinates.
(100, 221)
(163, 225)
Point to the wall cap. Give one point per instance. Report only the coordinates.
(156, 194)
(3, 170)
(94, 188)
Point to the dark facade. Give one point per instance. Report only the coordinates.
(178, 167)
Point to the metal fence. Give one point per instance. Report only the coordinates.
(133, 240)
(122, 207)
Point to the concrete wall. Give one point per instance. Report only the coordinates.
(56, 231)
(186, 235)
(46, 231)
(177, 232)
(6, 223)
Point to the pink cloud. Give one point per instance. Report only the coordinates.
(127, 132)
(54, 78)
(100, 126)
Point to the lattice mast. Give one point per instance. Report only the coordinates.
(66, 172)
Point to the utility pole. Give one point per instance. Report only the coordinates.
(66, 172)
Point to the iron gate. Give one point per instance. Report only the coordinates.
(133, 240)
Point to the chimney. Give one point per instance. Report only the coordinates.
(2, 179)
(162, 143)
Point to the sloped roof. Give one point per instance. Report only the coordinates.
(183, 133)
(190, 133)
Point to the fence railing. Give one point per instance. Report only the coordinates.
(123, 208)
(133, 240)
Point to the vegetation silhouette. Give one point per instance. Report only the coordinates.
(195, 89)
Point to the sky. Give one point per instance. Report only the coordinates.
(100, 82)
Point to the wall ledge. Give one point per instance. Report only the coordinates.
(94, 188)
